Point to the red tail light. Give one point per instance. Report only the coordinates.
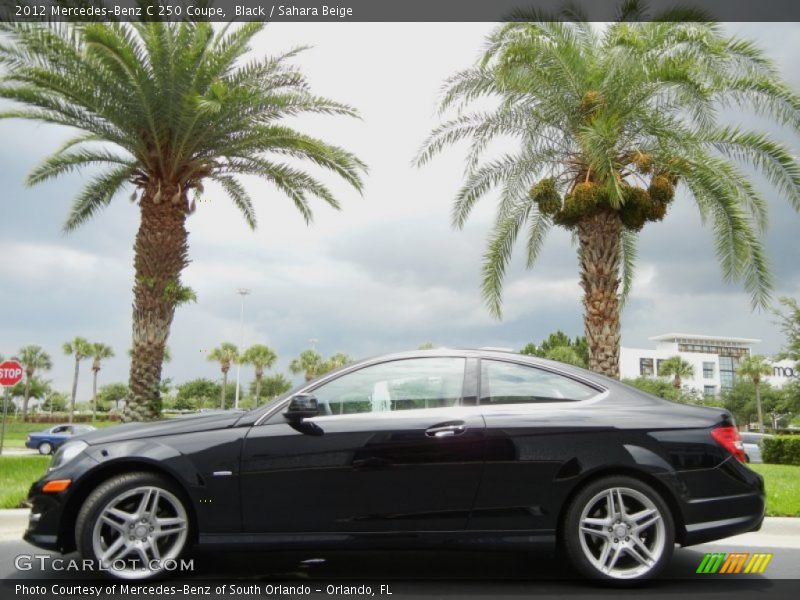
(728, 438)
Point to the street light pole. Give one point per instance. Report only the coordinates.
(242, 292)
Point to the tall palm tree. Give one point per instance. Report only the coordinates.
(225, 355)
(261, 357)
(611, 124)
(308, 363)
(80, 348)
(33, 359)
(99, 353)
(754, 368)
(164, 108)
(678, 368)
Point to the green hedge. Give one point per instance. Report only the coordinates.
(782, 450)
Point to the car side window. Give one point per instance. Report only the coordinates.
(60, 429)
(511, 383)
(398, 385)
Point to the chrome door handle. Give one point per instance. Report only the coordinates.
(441, 431)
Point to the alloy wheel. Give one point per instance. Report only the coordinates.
(138, 531)
(622, 533)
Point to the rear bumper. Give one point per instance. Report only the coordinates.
(730, 501)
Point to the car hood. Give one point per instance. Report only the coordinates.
(178, 425)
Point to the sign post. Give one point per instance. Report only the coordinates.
(10, 374)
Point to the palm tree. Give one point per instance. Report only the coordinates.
(33, 359)
(309, 363)
(167, 358)
(678, 368)
(261, 357)
(275, 385)
(80, 348)
(336, 361)
(612, 123)
(754, 368)
(225, 355)
(99, 352)
(164, 108)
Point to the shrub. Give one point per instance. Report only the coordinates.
(782, 450)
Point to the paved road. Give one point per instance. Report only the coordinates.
(409, 566)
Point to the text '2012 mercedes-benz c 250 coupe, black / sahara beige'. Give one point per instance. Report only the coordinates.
(437, 448)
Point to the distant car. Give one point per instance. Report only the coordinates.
(48, 441)
(752, 446)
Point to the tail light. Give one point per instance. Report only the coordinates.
(728, 438)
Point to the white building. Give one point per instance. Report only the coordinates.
(714, 359)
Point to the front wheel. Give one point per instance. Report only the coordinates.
(133, 526)
(45, 448)
(618, 529)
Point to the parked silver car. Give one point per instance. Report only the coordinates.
(752, 443)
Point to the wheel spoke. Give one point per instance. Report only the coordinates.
(603, 558)
(642, 549)
(620, 502)
(647, 522)
(597, 532)
(141, 510)
(119, 514)
(614, 558)
(612, 510)
(115, 525)
(153, 547)
(111, 551)
(632, 551)
(588, 521)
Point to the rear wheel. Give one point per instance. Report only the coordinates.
(133, 526)
(618, 529)
(45, 448)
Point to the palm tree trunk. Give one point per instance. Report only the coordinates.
(26, 397)
(258, 386)
(599, 237)
(758, 407)
(74, 388)
(224, 389)
(161, 251)
(94, 395)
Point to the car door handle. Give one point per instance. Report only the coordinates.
(449, 430)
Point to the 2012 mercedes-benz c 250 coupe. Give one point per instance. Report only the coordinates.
(436, 448)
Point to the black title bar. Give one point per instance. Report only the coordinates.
(391, 10)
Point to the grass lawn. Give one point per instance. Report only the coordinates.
(17, 473)
(17, 431)
(783, 489)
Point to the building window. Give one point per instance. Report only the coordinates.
(710, 390)
(708, 370)
(727, 370)
(658, 365)
(646, 367)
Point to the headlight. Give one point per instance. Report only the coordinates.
(67, 452)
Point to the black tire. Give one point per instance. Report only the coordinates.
(45, 448)
(105, 494)
(576, 549)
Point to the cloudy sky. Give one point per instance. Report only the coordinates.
(385, 273)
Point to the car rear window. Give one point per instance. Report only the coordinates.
(512, 383)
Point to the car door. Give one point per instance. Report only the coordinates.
(532, 430)
(393, 449)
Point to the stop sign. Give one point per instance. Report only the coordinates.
(10, 372)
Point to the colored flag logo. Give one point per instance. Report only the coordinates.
(734, 562)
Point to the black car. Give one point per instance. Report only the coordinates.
(437, 448)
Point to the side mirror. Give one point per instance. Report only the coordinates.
(301, 406)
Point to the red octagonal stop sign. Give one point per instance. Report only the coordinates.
(10, 372)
